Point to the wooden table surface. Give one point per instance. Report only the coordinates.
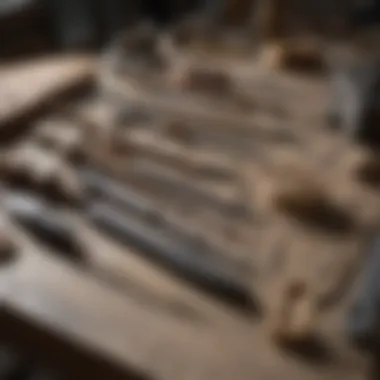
(157, 327)
(153, 325)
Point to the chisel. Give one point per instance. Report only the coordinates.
(192, 265)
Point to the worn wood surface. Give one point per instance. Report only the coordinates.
(27, 87)
(145, 322)
(156, 326)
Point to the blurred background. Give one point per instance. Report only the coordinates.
(37, 26)
(109, 127)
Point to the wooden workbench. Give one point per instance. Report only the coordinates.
(155, 326)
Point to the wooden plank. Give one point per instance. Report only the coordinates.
(28, 87)
(70, 319)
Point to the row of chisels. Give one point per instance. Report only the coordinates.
(133, 219)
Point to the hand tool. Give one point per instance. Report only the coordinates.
(189, 264)
(43, 222)
(130, 201)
